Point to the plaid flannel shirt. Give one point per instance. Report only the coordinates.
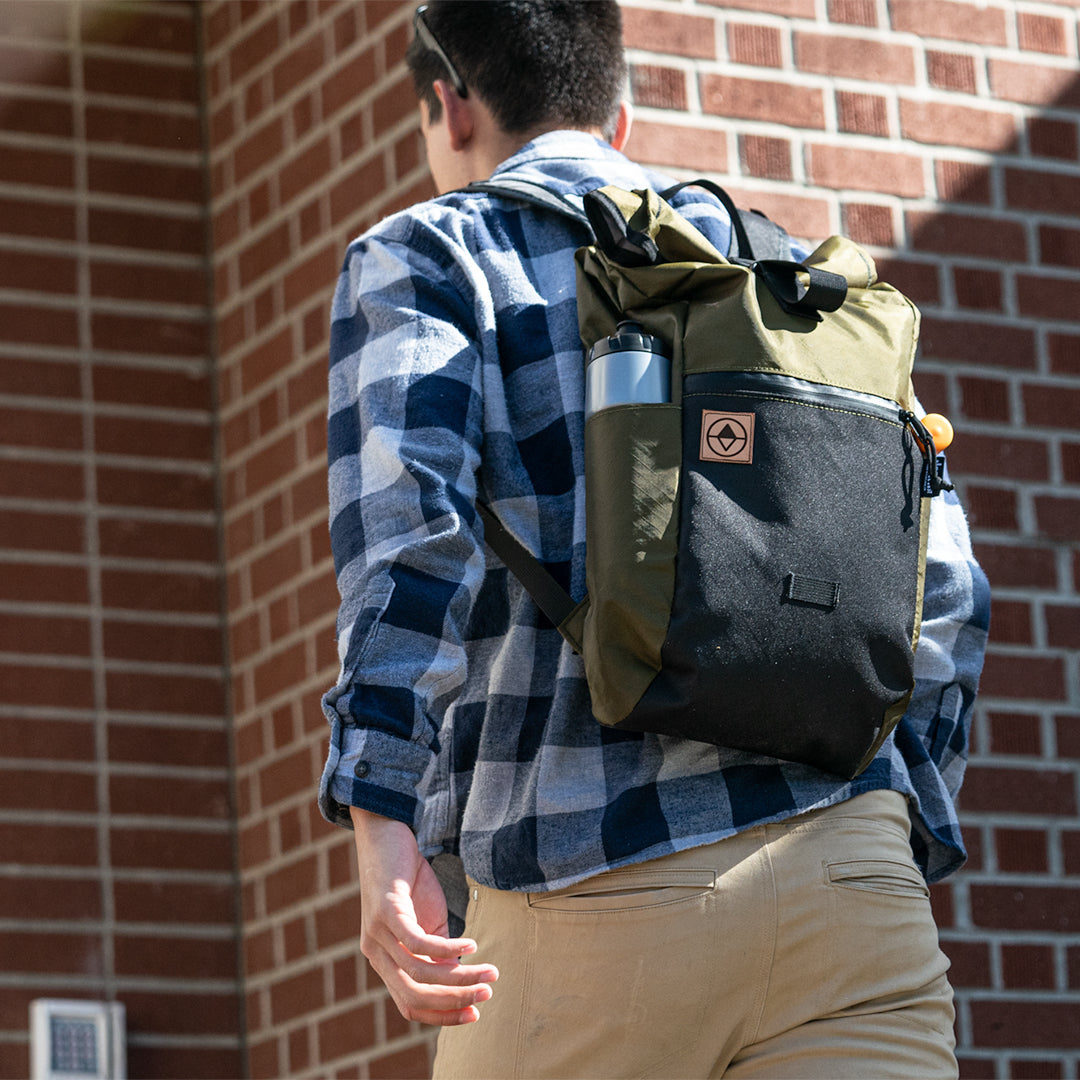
(456, 374)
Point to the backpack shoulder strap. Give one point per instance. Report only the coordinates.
(548, 595)
(528, 191)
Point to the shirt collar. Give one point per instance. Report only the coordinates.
(560, 145)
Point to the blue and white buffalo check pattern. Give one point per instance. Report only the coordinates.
(456, 373)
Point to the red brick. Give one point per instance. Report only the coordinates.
(939, 123)
(1064, 352)
(760, 46)
(315, 276)
(41, 684)
(978, 290)
(1015, 733)
(992, 508)
(298, 65)
(168, 31)
(45, 634)
(867, 223)
(966, 234)
(27, 897)
(1047, 297)
(1058, 517)
(48, 845)
(259, 149)
(795, 9)
(766, 157)
(970, 963)
(1017, 566)
(111, 227)
(263, 1061)
(845, 167)
(1021, 851)
(1034, 83)
(1021, 1023)
(40, 168)
(1023, 676)
(170, 849)
(139, 281)
(854, 58)
(140, 691)
(126, 538)
(962, 182)
(148, 179)
(254, 49)
(853, 12)
(348, 1032)
(157, 335)
(182, 1012)
(668, 144)
(41, 480)
(345, 85)
(29, 324)
(41, 429)
(296, 995)
(152, 744)
(150, 488)
(1011, 620)
(670, 32)
(180, 796)
(154, 956)
(150, 128)
(305, 170)
(918, 280)
(979, 342)
(990, 789)
(38, 272)
(271, 464)
(862, 114)
(395, 104)
(167, 1062)
(762, 99)
(174, 902)
(264, 255)
(1027, 967)
(988, 455)
(1052, 405)
(27, 951)
(42, 740)
(159, 590)
(23, 582)
(280, 671)
(1042, 33)
(403, 1064)
(651, 85)
(951, 71)
(1070, 462)
(338, 922)
(287, 777)
(1063, 626)
(953, 22)
(1048, 137)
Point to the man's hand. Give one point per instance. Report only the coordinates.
(403, 928)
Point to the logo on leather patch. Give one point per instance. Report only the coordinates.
(727, 436)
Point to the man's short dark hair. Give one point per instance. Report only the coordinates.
(534, 63)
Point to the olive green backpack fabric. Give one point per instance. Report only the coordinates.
(755, 547)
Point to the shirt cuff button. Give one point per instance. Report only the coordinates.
(362, 769)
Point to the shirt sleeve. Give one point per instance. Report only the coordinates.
(952, 644)
(403, 444)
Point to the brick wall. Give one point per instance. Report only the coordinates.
(943, 135)
(116, 840)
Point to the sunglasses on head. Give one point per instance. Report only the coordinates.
(423, 32)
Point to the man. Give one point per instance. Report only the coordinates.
(650, 906)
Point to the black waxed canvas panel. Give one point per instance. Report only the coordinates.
(831, 496)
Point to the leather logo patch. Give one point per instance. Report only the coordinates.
(727, 436)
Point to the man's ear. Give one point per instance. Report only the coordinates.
(623, 125)
(460, 122)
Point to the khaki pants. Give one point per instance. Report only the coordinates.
(804, 949)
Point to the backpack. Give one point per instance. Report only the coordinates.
(757, 515)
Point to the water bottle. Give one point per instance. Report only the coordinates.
(631, 367)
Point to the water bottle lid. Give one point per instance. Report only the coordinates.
(629, 336)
